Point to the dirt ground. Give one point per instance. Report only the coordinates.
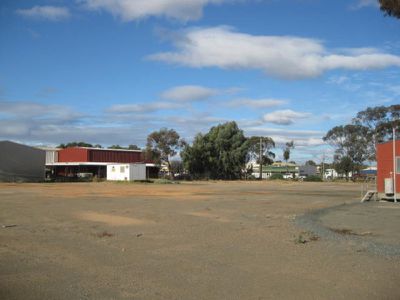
(202, 240)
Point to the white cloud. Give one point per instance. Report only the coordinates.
(279, 56)
(285, 117)
(338, 79)
(31, 122)
(257, 103)
(129, 10)
(143, 108)
(32, 110)
(52, 13)
(301, 138)
(189, 93)
(365, 3)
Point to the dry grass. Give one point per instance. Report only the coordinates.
(345, 231)
(104, 234)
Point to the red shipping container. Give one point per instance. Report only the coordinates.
(384, 158)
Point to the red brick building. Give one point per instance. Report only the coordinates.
(75, 161)
(385, 166)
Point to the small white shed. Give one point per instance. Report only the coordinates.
(126, 172)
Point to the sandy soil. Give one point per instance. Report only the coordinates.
(208, 240)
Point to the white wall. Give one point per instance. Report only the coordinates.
(128, 172)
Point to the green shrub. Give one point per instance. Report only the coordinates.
(276, 177)
(313, 178)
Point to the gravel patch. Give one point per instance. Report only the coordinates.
(315, 222)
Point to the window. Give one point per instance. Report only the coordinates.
(398, 165)
(122, 169)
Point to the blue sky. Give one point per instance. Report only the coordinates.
(112, 71)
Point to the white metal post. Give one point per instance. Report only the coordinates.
(394, 162)
(260, 159)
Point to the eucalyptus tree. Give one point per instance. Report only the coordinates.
(380, 121)
(163, 144)
(350, 141)
(219, 154)
(390, 7)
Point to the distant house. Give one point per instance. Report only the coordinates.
(333, 174)
(21, 163)
(307, 170)
(369, 172)
(286, 170)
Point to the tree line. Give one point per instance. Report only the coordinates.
(221, 153)
(224, 151)
(355, 143)
(84, 144)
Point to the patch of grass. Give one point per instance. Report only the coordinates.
(345, 231)
(300, 239)
(306, 237)
(104, 234)
(133, 181)
(313, 178)
(276, 177)
(165, 181)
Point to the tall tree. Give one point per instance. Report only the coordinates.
(267, 144)
(260, 151)
(164, 144)
(379, 121)
(286, 151)
(218, 154)
(343, 165)
(390, 7)
(350, 141)
(310, 163)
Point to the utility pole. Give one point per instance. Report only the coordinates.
(323, 166)
(260, 159)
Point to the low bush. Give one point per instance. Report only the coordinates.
(313, 178)
(276, 177)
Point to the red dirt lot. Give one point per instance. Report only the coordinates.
(200, 240)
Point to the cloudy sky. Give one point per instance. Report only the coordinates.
(112, 71)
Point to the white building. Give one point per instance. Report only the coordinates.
(126, 172)
(332, 174)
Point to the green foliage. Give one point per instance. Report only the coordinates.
(177, 167)
(276, 177)
(75, 144)
(313, 178)
(351, 143)
(379, 121)
(130, 147)
(267, 144)
(219, 154)
(310, 163)
(287, 149)
(344, 165)
(390, 7)
(163, 144)
(134, 147)
(116, 147)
